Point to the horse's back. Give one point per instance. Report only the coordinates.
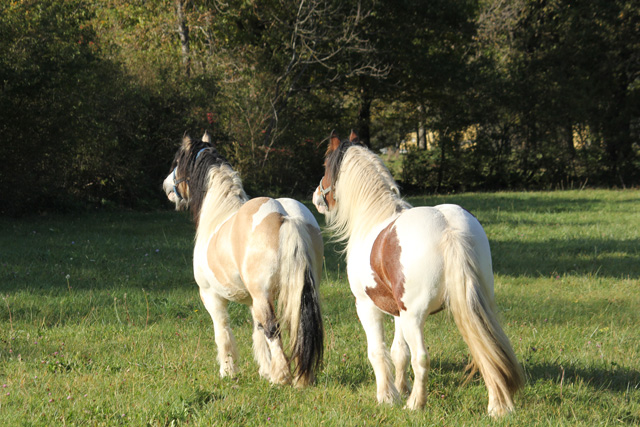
(430, 222)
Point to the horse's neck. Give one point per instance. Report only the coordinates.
(368, 198)
(217, 208)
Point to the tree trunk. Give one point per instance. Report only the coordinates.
(616, 128)
(568, 135)
(444, 137)
(421, 135)
(183, 32)
(364, 116)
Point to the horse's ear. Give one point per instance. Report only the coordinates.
(186, 142)
(206, 138)
(334, 142)
(353, 137)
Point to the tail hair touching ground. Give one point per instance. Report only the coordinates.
(474, 312)
(299, 302)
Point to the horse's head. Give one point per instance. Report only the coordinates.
(324, 197)
(177, 184)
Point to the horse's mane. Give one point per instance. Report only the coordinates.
(365, 192)
(215, 189)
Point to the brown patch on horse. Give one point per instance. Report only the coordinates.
(183, 188)
(387, 272)
(334, 143)
(318, 245)
(316, 238)
(267, 234)
(253, 243)
(328, 198)
(221, 257)
(229, 246)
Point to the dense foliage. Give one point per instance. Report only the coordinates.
(94, 95)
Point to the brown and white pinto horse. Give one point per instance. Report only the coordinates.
(410, 263)
(253, 252)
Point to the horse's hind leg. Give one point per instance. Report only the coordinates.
(265, 318)
(227, 350)
(400, 356)
(261, 351)
(412, 330)
(371, 319)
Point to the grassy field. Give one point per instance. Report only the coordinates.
(101, 324)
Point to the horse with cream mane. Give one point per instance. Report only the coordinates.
(252, 251)
(410, 263)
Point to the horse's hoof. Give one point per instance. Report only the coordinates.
(390, 397)
(282, 379)
(499, 411)
(227, 374)
(302, 382)
(415, 403)
(404, 389)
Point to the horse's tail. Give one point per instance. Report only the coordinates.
(473, 309)
(298, 302)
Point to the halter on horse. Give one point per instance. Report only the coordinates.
(410, 263)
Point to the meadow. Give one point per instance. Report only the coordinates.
(101, 324)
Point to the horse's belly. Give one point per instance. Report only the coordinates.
(368, 283)
(215, 270)
(229, 285)
(422, 259)
(235, 291)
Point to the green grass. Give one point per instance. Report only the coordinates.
(101, 324)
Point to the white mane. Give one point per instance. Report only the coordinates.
(366, 195)
(225, 195)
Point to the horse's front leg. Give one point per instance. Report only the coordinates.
(372, 322)
(227, 350)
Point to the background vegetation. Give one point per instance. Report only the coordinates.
(101, 324)
(95, 95)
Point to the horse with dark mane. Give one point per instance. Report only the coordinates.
(410, 263)
(254, 252)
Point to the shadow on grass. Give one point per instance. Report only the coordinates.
(495, 202)
(616, 258)
(615, 379)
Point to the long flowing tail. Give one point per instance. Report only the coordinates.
(473, 309)
(298, 302)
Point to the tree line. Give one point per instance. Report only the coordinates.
(525, 94)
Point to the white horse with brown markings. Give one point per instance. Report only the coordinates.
(253, 252)
(410, 263)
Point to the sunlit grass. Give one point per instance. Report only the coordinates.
(101, 324)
